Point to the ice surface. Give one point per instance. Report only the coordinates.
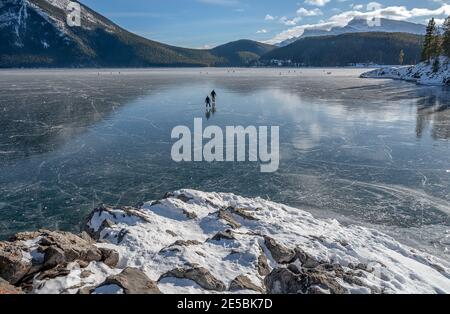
(373, 152)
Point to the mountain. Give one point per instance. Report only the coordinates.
(341, 50)
(34, 33)
(360, 25)
(241, 52)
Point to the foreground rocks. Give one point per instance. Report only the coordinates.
(199, 275)
(7, 288)
(195, 242)
(132, 281)
(46, 254)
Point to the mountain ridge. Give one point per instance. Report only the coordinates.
(360, 25)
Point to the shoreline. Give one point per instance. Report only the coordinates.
(421, 74)
(196, 242)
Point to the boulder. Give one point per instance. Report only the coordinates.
(132, 281)
(64, 247)
(109, 257)
(59, 271)
(243, 283)
(242, 212)
(199, 275)
(223, 235)
(284, 281)
(280, 253)
(13, 265)
(186, 243)
(7, 288)
(262, 265)
(228, 217)
(305, 259)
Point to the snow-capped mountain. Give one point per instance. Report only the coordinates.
(35, 33)
(360, 25)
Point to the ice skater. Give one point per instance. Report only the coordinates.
(213, 96)
(208, 102)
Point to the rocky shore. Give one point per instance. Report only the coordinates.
(422, 73)
(196, 242)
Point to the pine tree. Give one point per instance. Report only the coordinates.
(436, 47)
(436, 65)
(430, 41)
(446, 37)
(401, 57)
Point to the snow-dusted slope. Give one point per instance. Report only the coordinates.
(421, 73)
(35, 33)
(196, 242)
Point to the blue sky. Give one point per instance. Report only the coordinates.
(207, 23)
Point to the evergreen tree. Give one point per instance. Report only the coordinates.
(436, 65)
(446, 37)
(436, 47)
(429, 44)
(401, 57)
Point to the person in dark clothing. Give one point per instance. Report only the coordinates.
(213, 95)
(208, 102)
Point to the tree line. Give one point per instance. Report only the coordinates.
(437, 42)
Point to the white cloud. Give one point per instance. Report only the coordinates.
(269, 17)
(394, 12)
(301, 13)
(318, 3)
(305, 12)
(262, 31)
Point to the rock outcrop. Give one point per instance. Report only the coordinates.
(132, 281)
(7, 288)
(244, 283)
(199, 275)
(195, 242)
(280, 253)
(43, 255)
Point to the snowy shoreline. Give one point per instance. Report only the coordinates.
(421, 73)
(197, 242)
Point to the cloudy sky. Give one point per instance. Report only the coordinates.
(207, 23)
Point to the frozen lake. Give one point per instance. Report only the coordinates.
(375, 152)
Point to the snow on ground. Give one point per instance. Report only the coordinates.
(147, 238)
(421, 73)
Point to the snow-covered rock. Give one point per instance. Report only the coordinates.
(197, 242)
(421, 73)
